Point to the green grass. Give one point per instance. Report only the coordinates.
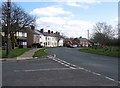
(40, 53)
(102, 51)
(0, 53)
(15, 52)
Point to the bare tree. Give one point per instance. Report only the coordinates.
(19, 19)
(103, 33)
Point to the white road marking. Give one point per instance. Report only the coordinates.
(50, 69)
(66, 65)
(118, 81)
(109, 78)
(81, 68)
(72, 66)
(62, 63)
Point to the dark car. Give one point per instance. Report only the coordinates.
(3, 47)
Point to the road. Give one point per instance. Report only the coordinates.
(104, 65)
(67, 67)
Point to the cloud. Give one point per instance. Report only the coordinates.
(70, 27)
(58, 19)
(83, 1)
(49, 11)
(75, 4)
(115, 19)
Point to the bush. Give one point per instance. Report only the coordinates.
(37, 45)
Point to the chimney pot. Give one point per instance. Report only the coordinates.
(52, 32)
(32, 27)
(42, 30)
(49, 31)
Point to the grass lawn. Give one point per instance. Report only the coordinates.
(0, 53)
(40, 53)
(114, 53)
(15, 52)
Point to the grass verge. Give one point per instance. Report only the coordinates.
(40, 53)
(15, 52)
(102, 51)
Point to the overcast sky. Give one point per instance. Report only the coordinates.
(72, 18)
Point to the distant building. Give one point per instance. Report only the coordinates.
(29, 36)
(51, 39)
(84, 42)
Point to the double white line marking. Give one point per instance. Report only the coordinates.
(72, 66)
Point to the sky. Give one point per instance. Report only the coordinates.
(71, 17)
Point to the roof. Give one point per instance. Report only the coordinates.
(52, 34)
(37, 32)
(83, 39)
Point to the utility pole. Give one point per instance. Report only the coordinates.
(8, 25)
(88, 34)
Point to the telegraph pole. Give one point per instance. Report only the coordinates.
(8, 25)
(88, 34)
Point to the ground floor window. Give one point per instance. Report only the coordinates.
(23, 43)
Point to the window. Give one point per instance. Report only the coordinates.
(48, 43)
(23, 43)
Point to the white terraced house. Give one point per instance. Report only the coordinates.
(51, 39)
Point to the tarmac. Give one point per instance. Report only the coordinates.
(24, 56)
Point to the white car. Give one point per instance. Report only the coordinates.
(73, 46)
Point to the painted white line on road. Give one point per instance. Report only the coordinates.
(50, 69)
(61, 63)
(110, 78)
(66, 65)
(81, 68)
(72, 68)
(73, 65)
(77, 67)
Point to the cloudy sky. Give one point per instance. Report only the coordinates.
(72, 17)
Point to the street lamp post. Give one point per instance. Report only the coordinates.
(8, 26)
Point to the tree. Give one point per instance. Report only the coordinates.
(103, 33)
(19, 20)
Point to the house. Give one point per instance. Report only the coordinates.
(29, 37)
(51, 39)
(33, 37)
(84, 42)
(21, 37)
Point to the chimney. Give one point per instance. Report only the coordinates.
(49, 31)
(58, 33)
(42, 30)
(32, 27)
(52, 32)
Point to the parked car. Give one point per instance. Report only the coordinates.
(3, 47)
(73, 46)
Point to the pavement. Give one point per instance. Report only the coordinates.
(24, 56)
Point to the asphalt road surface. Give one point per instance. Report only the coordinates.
(67, 67)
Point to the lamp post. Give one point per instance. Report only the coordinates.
(8, 26)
